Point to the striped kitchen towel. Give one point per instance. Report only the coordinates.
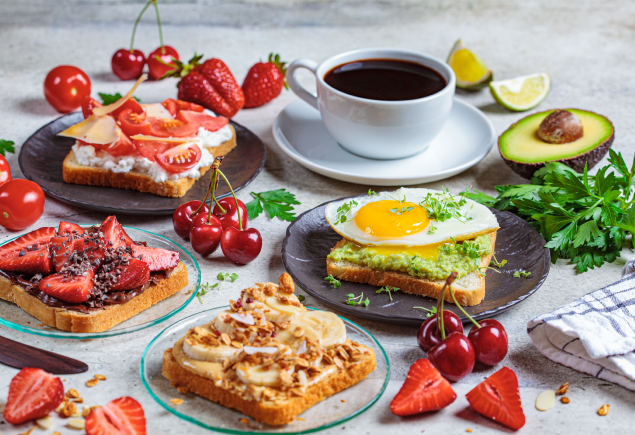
(594, 334)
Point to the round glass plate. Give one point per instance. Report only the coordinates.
(16, 318)
(332, 411)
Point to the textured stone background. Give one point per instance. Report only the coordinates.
(585, 46)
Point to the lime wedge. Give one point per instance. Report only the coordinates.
(471, 72)
(522, 93)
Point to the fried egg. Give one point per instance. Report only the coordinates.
(401, 218)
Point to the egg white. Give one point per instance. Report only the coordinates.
(483, 221)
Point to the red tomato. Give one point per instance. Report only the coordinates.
(150, 148)
(211, 123)
(156, 68)
(123, 147)
(88, 104)
(175, 106)
(21, 204)
(134, 123)
(170, 104)
(131, 104)
(65, 86)
(172, 128)
(5, 170)
(180, 158)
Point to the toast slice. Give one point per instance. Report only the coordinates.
(97, 320)
(75, 173)
(469, 290)
(279, 411)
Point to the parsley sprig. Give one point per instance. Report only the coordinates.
(388, 289)
(107, 99)
(6, 146)
(336, 282)
(277, 202)
(357, 300)
(584, 218)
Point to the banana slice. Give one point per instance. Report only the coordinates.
(327, 325)
(257, 375)
(221, 326)
(281, 311)
(205, 352)
(297, 334)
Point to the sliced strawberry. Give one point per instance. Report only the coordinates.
(67, 228)
(74, 289)
(39, 238)
(497, 397)
(123, 416)
(114, 235)
(61, 249)
(134, 275)
(156, 258)
(424, 390)
(30, 262)
(33, 393)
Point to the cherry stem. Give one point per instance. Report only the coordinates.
(213, 184)
(156, 8)
(222, 210)
(462, 310)
(134, 29)
(240, 221)
(448, 282)
(215, 165)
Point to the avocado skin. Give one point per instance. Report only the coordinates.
(591, 157)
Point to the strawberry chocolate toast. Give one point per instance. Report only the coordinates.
(86, 280)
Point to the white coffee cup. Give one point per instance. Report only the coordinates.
(378, 129)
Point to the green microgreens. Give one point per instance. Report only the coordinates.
(204, 289)
(107, 99)
(443, 206)
(275, 202)
(372, 193)
(388, 289)
(336, 282)
(227, 276)
(414, 268)
(343, 210)
(402, 208)
(522, 273)
(467, 247)
(496, 263)
(6, 146)
(357, 300)
(430, 312)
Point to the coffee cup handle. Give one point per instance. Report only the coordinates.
(296, 87)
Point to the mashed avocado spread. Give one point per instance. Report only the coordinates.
(463, 257)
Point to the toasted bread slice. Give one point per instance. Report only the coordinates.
(273, 413)
(97, 320)
(469, 290)
(75, 173)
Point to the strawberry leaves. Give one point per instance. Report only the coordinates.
(275, 202)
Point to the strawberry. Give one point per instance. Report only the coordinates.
(114, 235)
(497, 397)
(424, 390)
(39, 238)
(123, 416)
(210, 84)
(37, 261)
(74, 289)
(134, 275)
(156, 258)
(264, 81)
(61, 249)
(33, 393)
(67, 228)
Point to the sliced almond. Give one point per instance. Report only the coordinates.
(76, 423)
(545, 400)
(45, 423)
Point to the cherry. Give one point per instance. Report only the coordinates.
(128, 64)
(205, 233)
(183, 215)
(158, 68)
(241, 246)
(453, 357)
(429, 336)
(228, 215)
(489, 342)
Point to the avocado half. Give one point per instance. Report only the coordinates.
(525, 153)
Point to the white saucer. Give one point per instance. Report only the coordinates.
(464, 141)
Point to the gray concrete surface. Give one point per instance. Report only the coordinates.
(585, 46)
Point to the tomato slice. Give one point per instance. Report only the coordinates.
(170, 104)
(134, 123)
(123, 147)
(131, 104)
(172, 128)
(150, 148)
(88, 104)
(210, 123)
(180, 158)
(175, 106)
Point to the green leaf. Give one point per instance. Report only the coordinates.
(479, 197)
(107, 99)
(563, 237)
(6, 146)
(275, 202)
(523, 191)
(253, 208)
(587, 232)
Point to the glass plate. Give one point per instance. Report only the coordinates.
(16, 318)
(330, 412)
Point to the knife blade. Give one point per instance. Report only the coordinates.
(19, 355)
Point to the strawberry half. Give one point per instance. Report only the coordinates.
(156, 258)
(32, 262)
(75, 289)
(39, 238)
(114, 235)
(123, 416)
(134, 275)
(497, 398)
(33, 393)
(424, 390)
(67, 228)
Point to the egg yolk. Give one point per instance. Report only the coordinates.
(391, 219)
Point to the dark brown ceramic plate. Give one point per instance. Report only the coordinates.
(42, 155)
(310, 239)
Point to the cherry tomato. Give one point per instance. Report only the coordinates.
(123, 147)
(128, 65)
(150, 148)
(175, 106)
(134, 123)
(211, 123)
(88, 104)
(21, 204)
(158, 69)
(179, 158)
(5, 170)
(65, 86)
(131, 104)
(172, 128)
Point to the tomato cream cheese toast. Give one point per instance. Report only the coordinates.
(267, 356)
(161, 148)
(86, 280)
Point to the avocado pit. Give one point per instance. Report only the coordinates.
(560, 126)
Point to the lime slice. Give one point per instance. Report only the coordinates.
(471, 72)
(522, 93)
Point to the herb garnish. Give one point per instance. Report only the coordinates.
(496, 263)
(107, 99)
(372, 193)
(227, 276)
(388, 289)
(357, 300)
(467, 247)
(6, 146)
(402, 208)
(343, 210)
(522, 273)
(336, 282)
(203, 289)
(430, 312)
(443, 206)
(277, 202)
